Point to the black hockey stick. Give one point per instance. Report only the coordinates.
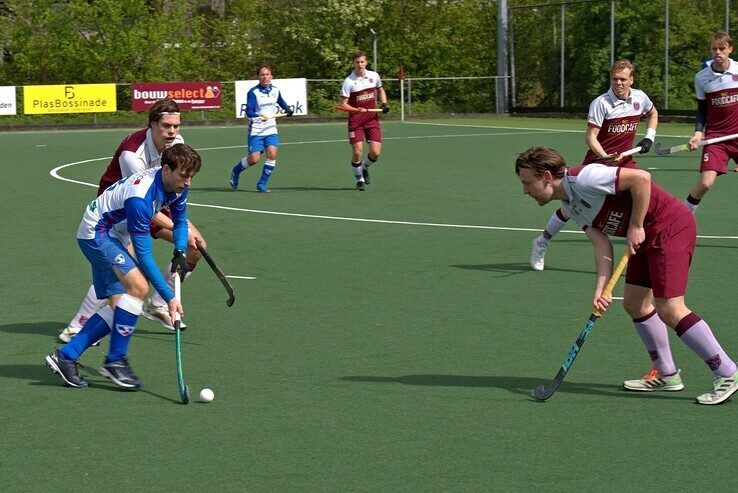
(542, 393)
(219, 273)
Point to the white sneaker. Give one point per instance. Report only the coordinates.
(67, 334)
(538, 254)
(653, 380)
(159, 314)
(723, 388)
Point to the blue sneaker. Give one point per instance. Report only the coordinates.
(262, 187)
(235, 173)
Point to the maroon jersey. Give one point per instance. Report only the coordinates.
(362, 93)
(618, 121)
(720, 90)
(595, 200)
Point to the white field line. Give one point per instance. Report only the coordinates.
(55, 174)
(240, 277)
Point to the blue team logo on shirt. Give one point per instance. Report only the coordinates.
(120, 259)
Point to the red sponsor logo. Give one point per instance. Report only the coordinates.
(189, 95)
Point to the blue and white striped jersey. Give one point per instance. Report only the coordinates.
(262, 100)
(125, 209)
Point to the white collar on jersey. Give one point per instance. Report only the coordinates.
(732, 68)
(616, 101)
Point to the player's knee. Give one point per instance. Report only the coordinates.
(705, 186)
(138, 289)
(634, 308)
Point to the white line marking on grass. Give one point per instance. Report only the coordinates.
(55, 173)
(240, 277)
(617, 297)
(525, 128)
(343, 141)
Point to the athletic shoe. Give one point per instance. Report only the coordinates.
(66, 369)
(159, 314)
(653, 380)
(360, 186)
(234, 176)
(262, 188)
(365, 175)
(538, 254)
(121, 373)
(67, 334)
(722, 389)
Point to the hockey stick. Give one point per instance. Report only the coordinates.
(184, 391)
(356, 110)
(542, 393)
(265, 118)
(665, 151)
(629, 152)
(219, 273)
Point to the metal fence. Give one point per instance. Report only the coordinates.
(572, 37)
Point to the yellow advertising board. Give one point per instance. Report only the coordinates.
(70, 98)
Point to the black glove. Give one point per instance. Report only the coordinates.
(385, 108)
(179, 263)
(645, 145)
(290, 112)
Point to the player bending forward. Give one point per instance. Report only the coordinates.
(358, 95)
(139, 151)
(120, 216)
(612, 124)
(661, 234)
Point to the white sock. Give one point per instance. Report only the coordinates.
(368, 161)
(692, 207)
(357, 167)
(555, 224)
(90, 305)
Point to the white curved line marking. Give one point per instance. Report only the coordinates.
(55, 173)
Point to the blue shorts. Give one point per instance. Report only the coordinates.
(104, 253)
(258, 143)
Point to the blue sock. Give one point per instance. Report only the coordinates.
(97, 327)
(238, 168)
(266, 172)
(124, 322)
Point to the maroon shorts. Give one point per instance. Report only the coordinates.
(156, 228)
(370, 132)
(664, 266)
(715, 156)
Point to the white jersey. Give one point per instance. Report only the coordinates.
(617, 120)
(136, 153)
(127, 207)
(266, 101)
(720, 90)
